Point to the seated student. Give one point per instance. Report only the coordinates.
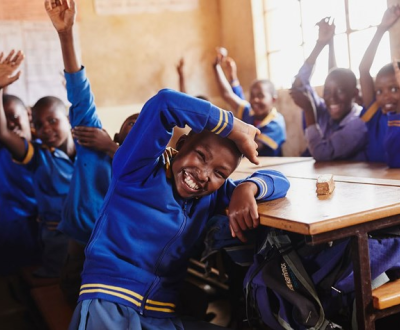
(392, 138)
(380, 97)
(260, 112)
(18, 207)
(333, 128)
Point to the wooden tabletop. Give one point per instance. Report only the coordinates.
(364, 192)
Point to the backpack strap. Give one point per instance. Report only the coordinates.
(282, 242)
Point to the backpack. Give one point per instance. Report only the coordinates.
(279, 291)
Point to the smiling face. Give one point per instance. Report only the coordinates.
(203, 164)
(261, 99)
(339, 91)
(52, 125)
(17, 118)
(387, 92)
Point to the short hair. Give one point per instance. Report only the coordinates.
(346, 73)
(387, 69)
(47, 101)
(8, 98)
(267, 83)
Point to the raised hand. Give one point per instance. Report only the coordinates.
(390, 17)
(244, 137)
(9, 67)
(61, 13)
(326, 30)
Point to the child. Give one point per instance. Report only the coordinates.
(391, 141)
(260, 112)
(51, 164)
(18, 207)
(381, 97)
(333, 129)
(158, 203)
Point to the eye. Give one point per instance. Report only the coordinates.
(52, 120)
(394, 89)
(201, 155)
(131, 123)
(378, 92)
(220, 175)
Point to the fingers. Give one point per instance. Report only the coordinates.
(7, 60)
(15, 78)
(237, 232)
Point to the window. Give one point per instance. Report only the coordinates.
(291, 34)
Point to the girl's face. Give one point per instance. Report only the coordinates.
(52, 126)
(387, 93)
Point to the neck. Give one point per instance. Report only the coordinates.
(69, 147)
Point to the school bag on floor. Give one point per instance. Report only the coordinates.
(279, 292)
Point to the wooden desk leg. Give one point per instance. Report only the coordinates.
(362, 282)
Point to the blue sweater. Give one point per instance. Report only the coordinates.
(137, 255)
(392, 140)
(92, 173)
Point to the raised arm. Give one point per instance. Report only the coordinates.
(8, 74)
(224, 86)
(231, 71)
(181, 75)
(390, 16)
(62, 14)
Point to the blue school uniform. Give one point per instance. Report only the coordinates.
(137, 255)
(392, 140)
(377, 124)
(18, 212)
(272, 127)
(92, 174)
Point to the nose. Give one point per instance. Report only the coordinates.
(203, 175)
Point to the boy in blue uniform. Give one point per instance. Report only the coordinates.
(381, 97)
(158, 203)
(51, 164)
(260, 111)
(18, 207)
(333, 129)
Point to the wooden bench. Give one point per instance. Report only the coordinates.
(56, 312)
(387, 295)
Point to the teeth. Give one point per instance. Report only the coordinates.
(188, 180)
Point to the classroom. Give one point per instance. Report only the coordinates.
(199, 164)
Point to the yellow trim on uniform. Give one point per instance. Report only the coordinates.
(219, 122)
(166, 310)
(123, 296)
(168, 154)
(239, 112)
(112, 293)
(28, 157)
(225, 124)
(154, 302)
(268, 141)
(116, 288)
(371, 111)
(271, 116)
(394, 123)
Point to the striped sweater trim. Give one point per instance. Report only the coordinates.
(262, 187)
(128, 295)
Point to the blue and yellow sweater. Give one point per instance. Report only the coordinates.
(137, 255)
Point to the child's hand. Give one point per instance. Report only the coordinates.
(9, 66)
(243, 210)
(390, 17)
(231, 68)
(300, 98)
(326, 30)
(244, 136)
(62, 14)
(94, 138)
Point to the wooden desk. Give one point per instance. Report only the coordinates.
(367, 199)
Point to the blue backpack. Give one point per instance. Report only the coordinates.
(296, 286)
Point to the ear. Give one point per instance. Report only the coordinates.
(181, 141)
(116, 138)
